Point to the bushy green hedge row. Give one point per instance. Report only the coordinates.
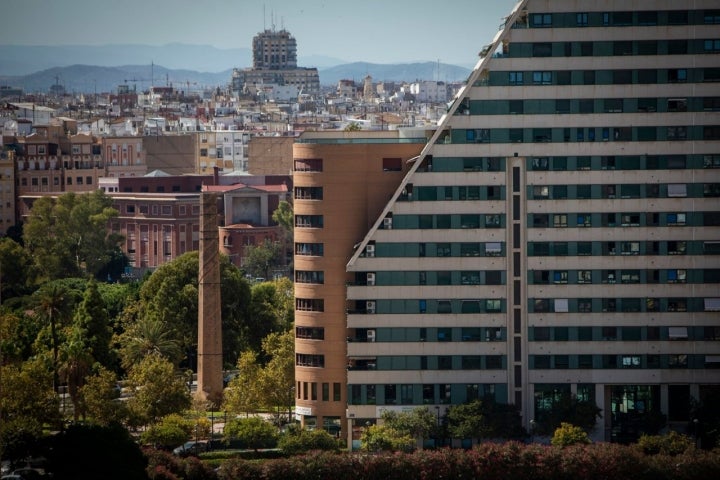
(488, 461)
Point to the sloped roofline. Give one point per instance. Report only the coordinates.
(479, 67)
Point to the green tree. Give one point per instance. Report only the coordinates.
(297, 440)
(91, 317)
(54, 305)
(418, 423)
(170, 295)
(68, 236)
(568, 434)
(467, 420)
(253, 432)
(148, 336)
(75, 363)
(260, 260)
(27, 394)
(352, 127)
(277, 378)
(284, 216)
(570, 409)
(243, 394)
(170, 431)
(377, 438)
(101, 398)
(157, 390)
(16, 273)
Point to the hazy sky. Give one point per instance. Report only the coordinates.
(377, 31)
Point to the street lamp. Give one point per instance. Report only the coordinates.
(437, 434)
(696, 427)
(532, 430)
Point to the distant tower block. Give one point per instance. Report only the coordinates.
(209, 379)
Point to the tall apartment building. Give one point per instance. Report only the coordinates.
(559, 233)
(341, 183)
(274, 50)
(275, 62)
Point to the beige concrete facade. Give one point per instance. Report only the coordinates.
(352, 175)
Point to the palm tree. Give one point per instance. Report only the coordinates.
(147, 336)
(76, 363)
(53, 304)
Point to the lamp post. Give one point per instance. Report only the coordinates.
(532, 430)
(437, 435)
(696, 428)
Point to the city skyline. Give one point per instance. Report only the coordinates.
(378, 32)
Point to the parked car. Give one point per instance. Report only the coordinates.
(191, 448)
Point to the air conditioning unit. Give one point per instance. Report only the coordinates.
(370, 306)
(371, 335)
(370, 250)
(371, 279)
(387, 223)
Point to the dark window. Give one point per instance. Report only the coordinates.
(542, 49)
(392, 164)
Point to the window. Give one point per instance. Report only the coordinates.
(392, 164)
(678, 361)
(584, 220)
(676, 219)
(581, 19)
(540, 20)
(515, 78)
(677, 75)
(542, 49)
(306, 360)
(310, 249)
(677, 190)
(711, 46)
(542, 78)
(310, 304)
(676, 276)
(584, 276)
(560, 220)
(630, 361)
(308, 165)
(584, 305)
(677, 133)
(309, 276)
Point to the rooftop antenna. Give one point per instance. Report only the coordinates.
(272, 20)
(264, 24)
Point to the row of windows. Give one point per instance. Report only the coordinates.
(430, 249)
(625, 190)
(310, 333)
(499, 78)
(309, 249)
(462, 164)
(465, 192)
(439, 334)
(625, 162)
(628, 247)
(626, 334)
(316, 164)
(624, 19)
(309, 391)
(310, 304)
(589, 134)
(490, 220)
(307, 360)
(429, 362)
(44, 181)
(680, 46)
(604, 305)
(590, 105)
(462, 277)
(308, 193)
(424, 394)
(309, 276)
(678, 360)
(411, 306)
(622, 219)
(309, 221)
(166, 210)
(624, 276)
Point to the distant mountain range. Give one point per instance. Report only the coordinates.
(102, 68)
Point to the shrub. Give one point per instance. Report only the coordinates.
(252, 432)
(672, 443)
(299, 441)
(568, 434)
(170, 431)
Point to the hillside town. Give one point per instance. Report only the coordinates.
(158, 145)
